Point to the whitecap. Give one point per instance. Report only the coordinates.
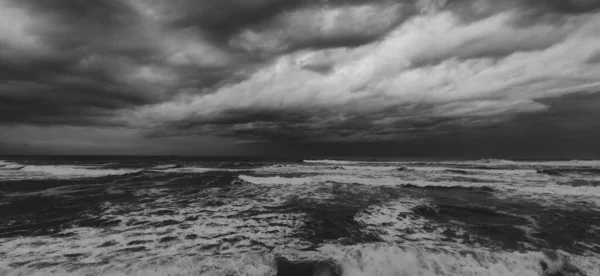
(275, 180)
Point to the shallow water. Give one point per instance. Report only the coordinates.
(150, 216)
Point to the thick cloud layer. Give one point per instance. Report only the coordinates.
(299, 71)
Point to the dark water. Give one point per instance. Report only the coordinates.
(189, 216)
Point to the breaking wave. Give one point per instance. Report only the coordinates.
(10, 165)
(276, 180)
(319, 217)
(15, 171)
(327, 161)
(335, 260)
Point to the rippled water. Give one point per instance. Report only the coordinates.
(150, 216)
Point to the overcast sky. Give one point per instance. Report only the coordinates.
(339, 77)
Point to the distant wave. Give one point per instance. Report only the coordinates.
(166, 166)
(487, 162)
(18, 171)
(275, 180)
(552, 163)
(327, 161)
(191, 169)
(10, 165)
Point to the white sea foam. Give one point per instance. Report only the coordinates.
(164, 166)
(275, 180)
(388, 222)
(193, 169)
(82, 171)
(4, 165)
(416, 260)
(187, 170)
(327, 161)
(237, 218)
(360, 260)
(487, 162)
(60, 172)
(505, 182)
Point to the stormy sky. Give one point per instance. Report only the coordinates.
(466, 78)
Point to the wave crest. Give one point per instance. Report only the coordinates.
(275, 180)
(360, 260)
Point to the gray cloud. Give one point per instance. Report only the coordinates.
(300, 71)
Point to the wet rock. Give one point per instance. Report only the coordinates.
(287, 267)
(425, 211)
(449, 233)
(402, 169)
(566, 270)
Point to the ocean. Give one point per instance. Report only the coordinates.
(201, 216)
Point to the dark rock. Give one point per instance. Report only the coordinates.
(402, 169)
(286, 267)
(425, 211)
(567, 270)
(449, 233)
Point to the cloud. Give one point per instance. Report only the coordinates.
(322, 27)
(83, 63)
(463, 75)
(299, 70)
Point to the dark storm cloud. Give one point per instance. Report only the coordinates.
(54, 81)
(294, 71)
(566, 130)
(399, 122)
(83, 54)
(223, 18)
(80, 62)
(338, 24)
(594, 58)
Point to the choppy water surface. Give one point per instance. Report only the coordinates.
(110, 216)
